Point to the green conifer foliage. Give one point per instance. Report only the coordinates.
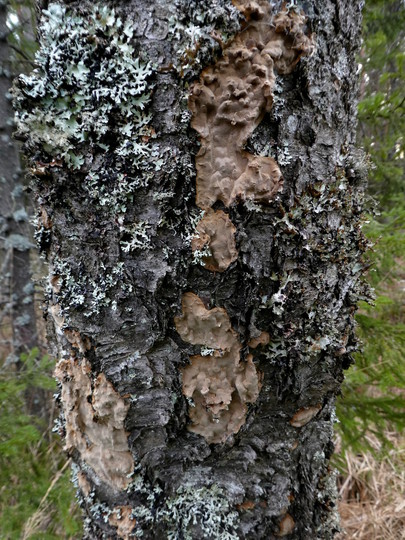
(373, 394)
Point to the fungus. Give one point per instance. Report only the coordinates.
(80, 342)
(83, 483)
(219, 385)
(95, 422)
(216, 231)
(261, 339)
(286, 526)
(305, 415)
(121, 518)
(246, 505)
(227, 105)
(57, 316)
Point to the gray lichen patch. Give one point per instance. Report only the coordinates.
(196, 27)
(79, 290)
(87, 73)
(220, 384)
(202, 512)
(95, 415)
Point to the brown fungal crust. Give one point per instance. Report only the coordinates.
(216, 231)
(262, 339)
(95, 422)
(286, 526)
(230, 100)
(305, 415)
(83, 483)
(219, 385)
(121, 517)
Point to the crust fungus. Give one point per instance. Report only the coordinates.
(121, 517)
(57, 316)
(95, 417)
(246, 505)
(262, 339)
(230, 101)
(77, 340)
(219, 385)
(305, 415)
(286, 526)
(216, 231)
(83, 483)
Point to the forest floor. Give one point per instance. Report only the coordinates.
(372, 503)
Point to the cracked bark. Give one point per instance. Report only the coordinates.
(291, 292)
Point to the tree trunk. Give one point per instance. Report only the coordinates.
(203, 236)
(17, 311)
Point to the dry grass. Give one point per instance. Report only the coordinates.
(372, 505)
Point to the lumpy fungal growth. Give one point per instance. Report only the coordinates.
(95, 417)
(229, 102)
(121, 518)
(220, 385)
(217, 232)
(305, 415)
(286, 526)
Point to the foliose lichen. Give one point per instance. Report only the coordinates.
(80, 291)
(205, 509)
(194, 34)
(90, 88)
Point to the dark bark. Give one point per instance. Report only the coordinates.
(118, 214)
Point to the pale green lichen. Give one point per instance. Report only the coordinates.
(196, 31)
(206, 509)
(138, 237)
(324, 228)
(90, 88)
(284, 157)
(81, 291)
(144, 512)
(278, 100)
(328, 494)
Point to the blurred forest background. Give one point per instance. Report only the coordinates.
(37, 500)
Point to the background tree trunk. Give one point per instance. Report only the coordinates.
(17, 311)
(234, 309)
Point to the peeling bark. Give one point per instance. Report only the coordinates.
(115, 164)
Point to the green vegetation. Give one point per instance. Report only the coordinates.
(36, 497)
(373, 393)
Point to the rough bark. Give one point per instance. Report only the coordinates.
(134, 307)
